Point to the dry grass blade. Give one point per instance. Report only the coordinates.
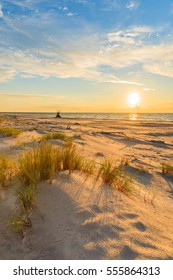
(26, 196)
(19, 223)
(115, 176)
(167, 169)
(29, 171)
(56, 135)
(70, 159)
(7, 170)
(7, 131)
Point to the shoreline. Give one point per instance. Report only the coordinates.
(97, 116)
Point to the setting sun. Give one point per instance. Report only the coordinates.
(133, 100)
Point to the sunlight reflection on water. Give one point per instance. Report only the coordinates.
(133, 117)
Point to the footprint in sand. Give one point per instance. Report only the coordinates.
(131, 216)
(97, 231)
(96, 209)
(128, 253)
(140, 226)
(84, 214)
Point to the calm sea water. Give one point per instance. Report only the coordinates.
(139, 116)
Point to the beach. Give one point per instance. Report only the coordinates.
(79, 217)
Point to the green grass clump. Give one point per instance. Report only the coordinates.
(48, 160)
(167, 169)
(88, 167)
(56, 135)
(35, 165)
(71, 160)
(29, 173)
(115, 176)
(41, 163)
(7, 131)
(38, 164)
(7, 170)
(26, 198)
(18, 223)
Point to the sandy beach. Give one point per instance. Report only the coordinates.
(78, 217)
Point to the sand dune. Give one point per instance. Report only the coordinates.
(83, 218)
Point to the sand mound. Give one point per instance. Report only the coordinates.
(77, 218)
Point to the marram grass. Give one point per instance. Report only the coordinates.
(7, 131)
(115, 175)
(41, 163)
(167, 168)
(38, 164)
(72, 160)
(18, 223)
(56, 135)
(7, 170)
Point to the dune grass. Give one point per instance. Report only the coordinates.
(7, 131)
(35, 165)
(41, 163)
(26, 198)
(72, 160)
(56, 135)
(47, 158)
(115, 175)
(18, 223)
(4, 119)
(167, 169)
(28, 172)
(7, 170)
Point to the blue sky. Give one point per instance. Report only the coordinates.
(85, 55)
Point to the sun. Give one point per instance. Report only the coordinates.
(133, 99)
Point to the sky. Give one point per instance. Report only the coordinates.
(86, 55)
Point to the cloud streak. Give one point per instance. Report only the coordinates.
(54, 47)
(78, 62)
(1, 12)
(132, 4)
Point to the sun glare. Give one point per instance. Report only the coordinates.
(133, 99)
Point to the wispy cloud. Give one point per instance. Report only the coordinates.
(6, 73)
(133, 35)
(132, 4)
(1, 12)
(32, 96)
(77, 61)
(70, 14)
(149, 89)
(53, 48)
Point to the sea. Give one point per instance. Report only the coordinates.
(165, 117)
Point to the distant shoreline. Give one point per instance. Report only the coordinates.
(161, 117)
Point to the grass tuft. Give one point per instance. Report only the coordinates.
(38, 164)
(7, 170)
(19, 223)
(167, 169)
(115, 175)
(41, 163)
(7, 131)
(28, 172)
(56, 135)
(26, 197)
(70, 159)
